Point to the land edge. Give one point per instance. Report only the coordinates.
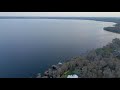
(55, 67)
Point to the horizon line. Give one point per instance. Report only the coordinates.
(59, 16)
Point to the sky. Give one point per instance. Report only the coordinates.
(64, 14)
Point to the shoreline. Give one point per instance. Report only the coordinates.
(114, 28)
(97, 63)
(55, 68)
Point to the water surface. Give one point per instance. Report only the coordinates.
(29, 46)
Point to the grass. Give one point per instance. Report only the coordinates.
(70, 72)
(67, 73)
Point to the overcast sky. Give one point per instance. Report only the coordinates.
(85, 14)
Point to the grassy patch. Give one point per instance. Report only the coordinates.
(71, 72)
(67, 73)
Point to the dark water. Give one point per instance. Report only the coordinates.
(29, 46)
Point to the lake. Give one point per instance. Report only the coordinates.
(30, 46)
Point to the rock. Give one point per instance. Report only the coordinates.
(38, 75)
(45, 77)
(46, 73)
(59, 63)
(54, 67)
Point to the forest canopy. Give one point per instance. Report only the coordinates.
(99, 63)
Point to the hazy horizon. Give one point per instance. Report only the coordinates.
(62, 14)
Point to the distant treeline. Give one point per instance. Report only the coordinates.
(115, 29)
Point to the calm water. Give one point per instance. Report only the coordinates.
(29, 46)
